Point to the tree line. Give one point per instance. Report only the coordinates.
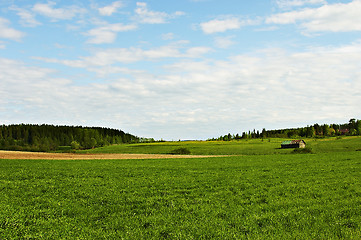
(32, 137)
(352, 128)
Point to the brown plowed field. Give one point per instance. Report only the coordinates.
(70, 156)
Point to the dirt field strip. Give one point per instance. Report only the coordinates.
(74, 156)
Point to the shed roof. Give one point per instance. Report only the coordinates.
(292, 142)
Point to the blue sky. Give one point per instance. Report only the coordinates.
(187, 69)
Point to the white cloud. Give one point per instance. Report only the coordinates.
(107, 33)
(100, 36)
(28, 91)
(192, 97)
(144, 15)
(340, 17)
(55, 14)
(130, 55)
(225, 24)
(110, 9)
(27, 17)
(168, 36)
(285, 4)
(106, 71)
(8, 32)
(224, 42)
(267, 29)
(195, 52)
(60, 46)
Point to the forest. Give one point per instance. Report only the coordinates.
(352, 128)
(31, 137)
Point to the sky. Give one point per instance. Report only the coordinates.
(185, 69)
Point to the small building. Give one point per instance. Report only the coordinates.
(343, 131)
(293, 144)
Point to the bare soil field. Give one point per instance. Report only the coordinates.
(76, 156)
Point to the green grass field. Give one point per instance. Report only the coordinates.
(242, 147)
(258, 195)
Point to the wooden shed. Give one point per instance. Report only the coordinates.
(293, 144)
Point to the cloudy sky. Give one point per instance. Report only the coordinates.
(186, 69)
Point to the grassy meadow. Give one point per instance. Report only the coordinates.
(242, 147)
(261, 192)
